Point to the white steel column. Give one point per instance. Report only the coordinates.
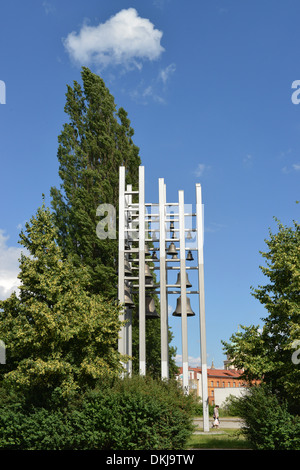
(128, 310)
(142, 293)
(185, 366)
(121, 274)
(163, 288)
(200, 223)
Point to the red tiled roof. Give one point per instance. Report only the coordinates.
(223, 373)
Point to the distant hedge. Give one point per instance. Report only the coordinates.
(129, 414)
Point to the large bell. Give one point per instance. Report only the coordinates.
(189, 256)
(178, 282)
(178, 310)
(150, 308)
(172, 249)
(127, 299)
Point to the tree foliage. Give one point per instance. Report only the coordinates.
(268, 353)
(267, 423)
(92, 145)
(130, 414)
(59, 337)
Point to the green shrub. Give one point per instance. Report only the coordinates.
(268, 424)
(129, 414)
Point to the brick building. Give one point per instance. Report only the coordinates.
(221, 383)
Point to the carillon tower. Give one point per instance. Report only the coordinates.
(168, 227)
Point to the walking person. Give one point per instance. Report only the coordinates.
(216, 421)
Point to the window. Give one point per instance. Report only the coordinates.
(234, 384)
(212, 383)
(223, 384)
(228, 384)
(217, 383)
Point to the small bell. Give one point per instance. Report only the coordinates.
(189, 256)
(127, 268)
(178, 310)
(172, 249)
(150, 308)
(178, 282)
(189, 235)
(127, 299)
(172, 226)
(147, 252)
(148, 274)
(154, 237)
(154, 255)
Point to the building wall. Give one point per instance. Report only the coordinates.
(221, 394)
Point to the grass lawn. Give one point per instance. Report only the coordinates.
(218, 439)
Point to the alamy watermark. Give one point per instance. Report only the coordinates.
(106, 227)
(2, 92)
(296, 94)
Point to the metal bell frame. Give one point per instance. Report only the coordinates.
(135, 222)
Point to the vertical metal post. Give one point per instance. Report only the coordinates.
(142, 293)
(128, 310)
(163, 285)
(185, 367)
(200, 222)
(121, 274)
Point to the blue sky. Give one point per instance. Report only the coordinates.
(207, 86)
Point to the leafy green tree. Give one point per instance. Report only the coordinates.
(269, 353)
(59, 337)
(92, 145)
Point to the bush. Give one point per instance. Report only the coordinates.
(268, 424)
(129, 414)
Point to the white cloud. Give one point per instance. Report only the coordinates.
(248, 160)
(193, 361)
(9, 267)
(125, 39)
(286, 169)
(201, 168)
(165, 73)
(48, 7)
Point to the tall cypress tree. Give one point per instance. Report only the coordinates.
(92, 145)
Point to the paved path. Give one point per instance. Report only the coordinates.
(229, 423)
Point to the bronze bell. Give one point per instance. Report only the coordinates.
(154, 237)
(189, 235)
(178, 310)
(147, 252)
(154, 255)
(127, 299)
(150, 308)
(148, 274)
(178, 282)
(172, 249)
(189, 256)
(127, 268)
(171, 225)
